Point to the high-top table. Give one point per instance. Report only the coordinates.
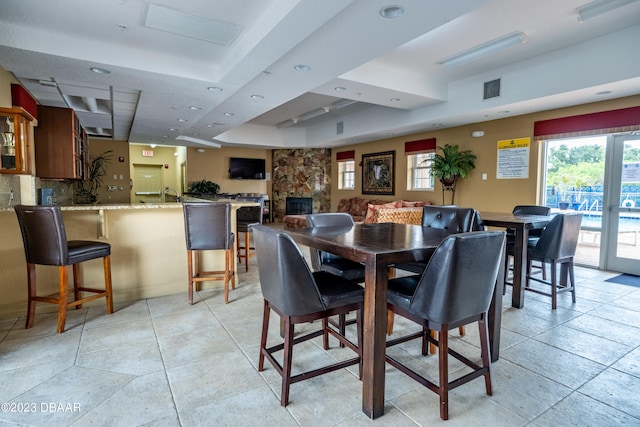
(521, 224)
(377, 246)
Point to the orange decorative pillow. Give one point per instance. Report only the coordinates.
(407, 204)
(368, 219)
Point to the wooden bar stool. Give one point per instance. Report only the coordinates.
(45, 243)
(246, 218)
(207, 228)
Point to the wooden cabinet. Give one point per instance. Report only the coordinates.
(61, 145)
(15, 141)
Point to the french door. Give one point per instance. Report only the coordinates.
(621, 210)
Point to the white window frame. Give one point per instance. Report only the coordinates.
(346, 174)
(418, 172)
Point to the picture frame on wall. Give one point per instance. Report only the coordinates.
(378, 173)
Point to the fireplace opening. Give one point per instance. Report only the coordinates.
(298, 206)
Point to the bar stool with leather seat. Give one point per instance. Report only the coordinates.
(534, 233)
(299, 296)
(556, 245)
(331, 263)
(45, 243)
(451, 217)
(246, 218)
(208, 228)
(455, 289)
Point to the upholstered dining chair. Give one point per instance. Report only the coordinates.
(451, 217)
(207, 227)
(534, 235)
(326, 261)
(45, 243)
(455, 289)
(299, 296)
(246, 218)
(556, 245)
(331, 263)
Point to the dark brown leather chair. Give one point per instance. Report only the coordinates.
(556, 245)
(246, 218)
(299, 296)
(331, 263)
(453, 218)
(207, 227)
(45, 243)
(534, 235)
(326, 261)
(454, 290)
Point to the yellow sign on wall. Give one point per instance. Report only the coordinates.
(513, 158)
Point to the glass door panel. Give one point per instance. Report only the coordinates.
(623, 205)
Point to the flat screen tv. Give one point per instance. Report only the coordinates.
(243, 168)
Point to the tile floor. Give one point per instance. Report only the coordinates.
(161, 362)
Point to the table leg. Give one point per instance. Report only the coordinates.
(374, 339)
(494, 321)
(519, 266)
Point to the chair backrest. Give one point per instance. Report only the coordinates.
(478, 224)
(459, 280)
(559, 239)
(329, 219)
(251, 214)
(285, 279)
(458, 220)
(326, 220)
(207, 225)
(43, 234)
(531, 210)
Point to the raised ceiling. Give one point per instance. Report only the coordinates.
(224, 71)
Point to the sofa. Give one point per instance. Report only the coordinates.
(371, 211)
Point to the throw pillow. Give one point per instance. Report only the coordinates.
(368, 219)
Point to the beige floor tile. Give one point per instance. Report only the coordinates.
(617, 389)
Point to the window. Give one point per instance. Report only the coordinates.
(418, 176)
(347, 175)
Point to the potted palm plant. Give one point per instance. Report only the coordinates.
(451, 164)
(87, 190)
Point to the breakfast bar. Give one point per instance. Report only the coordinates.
(148, 251)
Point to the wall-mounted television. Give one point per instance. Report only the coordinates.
(243, 168)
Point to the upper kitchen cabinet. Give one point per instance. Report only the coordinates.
(61, 145)
(16, 130)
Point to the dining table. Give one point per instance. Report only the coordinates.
(378, 246)
(521, 224)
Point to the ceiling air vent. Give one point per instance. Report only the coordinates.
(491, 89)
(340, 128)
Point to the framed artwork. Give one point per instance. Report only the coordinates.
(378, 173)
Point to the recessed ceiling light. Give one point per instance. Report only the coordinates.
(100, 70)
(339, 88)
(214, 89)
(392, 11)
(257, 97)
(182, 120)
(229, 114)
(604, 92)
(395, 100)
(173, 129)
(302, 67)
(193, 107)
